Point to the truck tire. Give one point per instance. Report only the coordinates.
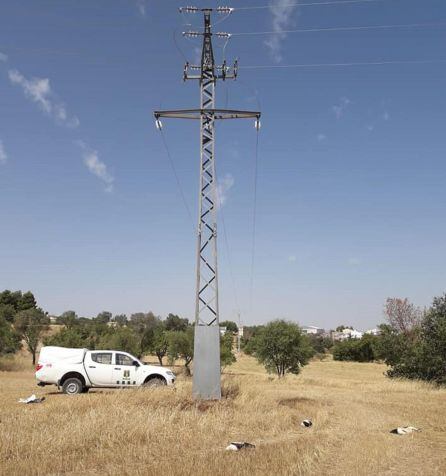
(155, 382)
(72, 386)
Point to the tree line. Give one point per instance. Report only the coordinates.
(22, 321)
(411, 342)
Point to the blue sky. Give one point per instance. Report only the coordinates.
(351, 193)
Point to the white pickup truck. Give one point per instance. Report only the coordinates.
(78, 370)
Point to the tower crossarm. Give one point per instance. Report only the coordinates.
(215, 113)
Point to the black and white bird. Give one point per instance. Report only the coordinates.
(239, 445)
(307, 423)
(404, 430)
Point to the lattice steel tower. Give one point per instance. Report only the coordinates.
(206, 375)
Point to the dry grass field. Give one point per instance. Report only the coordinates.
(162, 431)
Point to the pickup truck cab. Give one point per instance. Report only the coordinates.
(78, 370)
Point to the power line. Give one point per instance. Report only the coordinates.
(342, 28)
(177, 179)
(254, 222)
(313, 4)
(339, 65)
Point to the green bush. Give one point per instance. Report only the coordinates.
(357, 350)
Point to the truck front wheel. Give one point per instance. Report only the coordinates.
(155, 382)
(72, 386)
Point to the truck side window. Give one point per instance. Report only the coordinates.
(122, 359)
(102, 357)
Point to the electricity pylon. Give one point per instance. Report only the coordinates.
(206, 376)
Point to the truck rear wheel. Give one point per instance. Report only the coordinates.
(72, 386)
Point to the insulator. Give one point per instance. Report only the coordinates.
(225, 10)
(223, 35)
(257, 124)
(188, 9)
(192, 34)
(158, 124)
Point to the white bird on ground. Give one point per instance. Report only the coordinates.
(239, 445)
(404, 430)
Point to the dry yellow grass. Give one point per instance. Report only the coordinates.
(162, 431)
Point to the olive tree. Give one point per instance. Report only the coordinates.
(281, 347)
(31, 325)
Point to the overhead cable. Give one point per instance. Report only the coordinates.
(312, 4)
(342, 28)
(338, 65)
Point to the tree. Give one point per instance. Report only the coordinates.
(9, 340)
(281, 347)
(7, 312)
(144, 326)
(27, 301)
(181, 346)
(319, 343)
(69, 319)
(402, 315)
(357, 350)
(176, 323)
(72, 337)
(227, 357)
(104, 317)
(121, 338)
(230, 326)
(31, 324)
(424, 357)
(247, 341)
(8, 297)
(160, 342)
(120, 320)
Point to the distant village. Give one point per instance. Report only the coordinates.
(340, 334)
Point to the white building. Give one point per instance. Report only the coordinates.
(312, 330)
(373, 332)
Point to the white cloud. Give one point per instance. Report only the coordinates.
(339, 109)
(281, 20)
(39, 91)
(292, 258)
(370, 127)
(223, 187)
(3, 57)
(386, 116)
(96, 166)
(142, 7)
(3, 156)
(321, 137)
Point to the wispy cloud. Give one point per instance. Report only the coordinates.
(340, 108)
(282, 19)
(386, 116)
(223, 187)
(3, 156)
(96, 166)
(321, 137)
(3, 57)
(39, 91)
(292, 258)
(141, 5)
